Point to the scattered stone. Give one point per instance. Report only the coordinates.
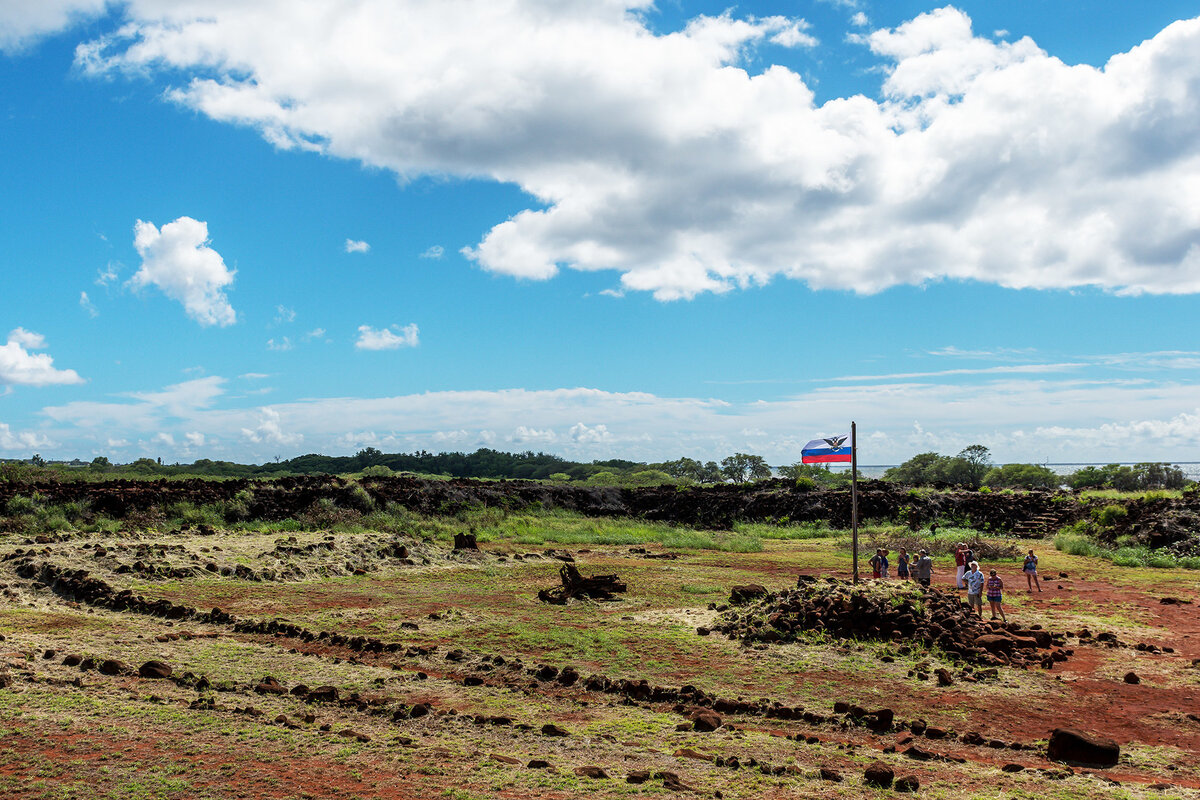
(504, 759)
(879, 775)
(685, 752)
(907, 784)
(553, 730)
(638, 776)
(706, 721)
(1132, 677)
(831, 775)
(1076, 747)
(1012, 768)
(596, 773)
(155, 670)
(112, 667)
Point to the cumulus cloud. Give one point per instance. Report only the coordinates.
(178, 261)
(357, 246)
(22, 440)
(18, 366)
(270, 430)
(593, 435)
(435, 251)
(389, 338)
(22, 22)
(664, 157)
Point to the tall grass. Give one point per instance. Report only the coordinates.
(1077, 544)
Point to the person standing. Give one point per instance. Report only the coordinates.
(876, 563)
(960, 564)
(924, 568)
(995, 590)
(902, 564)
(1030, 570)
(974, 579)
(883, 563)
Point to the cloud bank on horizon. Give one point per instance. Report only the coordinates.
(683, 163)
(983, 160)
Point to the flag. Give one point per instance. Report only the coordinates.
(831, 449)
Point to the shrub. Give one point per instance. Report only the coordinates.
(1110, 515)
(20, 504)
(805, 484)
(377, 471)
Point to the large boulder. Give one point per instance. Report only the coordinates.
(879, 775)
(155, 670)
(1076, 747)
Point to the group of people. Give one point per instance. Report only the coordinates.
(967, 574)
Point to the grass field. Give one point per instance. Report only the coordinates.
(72, 732)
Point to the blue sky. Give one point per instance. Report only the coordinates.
(600, 229)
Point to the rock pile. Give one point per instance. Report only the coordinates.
(904, 614)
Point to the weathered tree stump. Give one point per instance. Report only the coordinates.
(597, 587)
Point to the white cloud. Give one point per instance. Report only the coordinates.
(194, 439)
(1019, 419)
(860, 20)
(255, 376)
(524, 436)
(107, 275)
(389, 338)
(23, 21)
(178, 261)
(434, 251)
(357, 246)
(584, 435)
(270, 431)
(283, 344)
(19, 367)
(86, 304)
(22, 440)
(284, 315)
(660, 156)
(164, 439)
(315, 333)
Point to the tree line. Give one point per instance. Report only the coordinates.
(971, 468)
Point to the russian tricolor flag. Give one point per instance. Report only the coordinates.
(831, 449)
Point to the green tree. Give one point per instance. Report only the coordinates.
(922, 469)
(1022, 476)
(743, 467)
(976, 461)
(99, 464)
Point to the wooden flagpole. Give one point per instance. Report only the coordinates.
(854, 497)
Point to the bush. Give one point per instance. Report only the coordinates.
(1109, 515)
(377, 471)
(805, 484)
